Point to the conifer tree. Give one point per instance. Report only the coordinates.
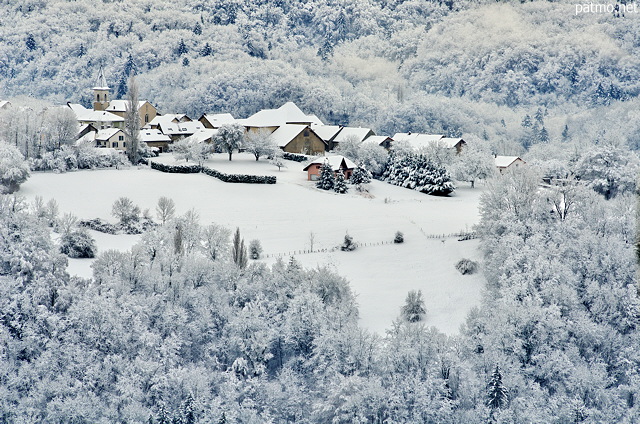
(239, 251)
(497, 393)
(327, 178)
(340, 184)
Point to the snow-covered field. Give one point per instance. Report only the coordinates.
(282, 217)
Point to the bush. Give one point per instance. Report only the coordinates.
(99, 225)
(466, 266)
(399, 238)
(294, 157)
(255, 249)
(348, 245)
(78, 244)
(14, 170)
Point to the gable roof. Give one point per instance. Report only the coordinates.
(287, 132)
(505, 161)
(121, 105)
(107, 133)
(360, 133)
(4, 103)
(287, 113)
(326, 132)
(149, 135)
(336, 161)
(180, 128)
(203, 135)
(377, 139)
(78, 109)
(450, 143)
(417, 140)
(218, 119)
(99, 116)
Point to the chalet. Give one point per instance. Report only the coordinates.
(111, 138)
(216, 120)
(338, 164)
(298, 138)
(504, 163)
(379, 140)
(146, 110)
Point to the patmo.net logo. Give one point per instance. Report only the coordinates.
(615, 9)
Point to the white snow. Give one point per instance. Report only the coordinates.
(283, 215)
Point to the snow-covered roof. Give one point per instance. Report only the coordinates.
(451, 142)
(107, 133)
(505, 161)
(101, 82)
(4, 103)
(121, 105)
(377, 139)
(203, 135)
(336, 161)
(78, 109)
(349, 132)
(85, 127)
(218, 119)
(287, 113)
(149, 135)
(287, 132)
(326, 132)
(168, 127)
(99, 116)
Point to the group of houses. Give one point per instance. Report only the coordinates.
(288, 127)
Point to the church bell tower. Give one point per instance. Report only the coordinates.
(101, 92)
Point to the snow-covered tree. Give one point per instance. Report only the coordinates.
(78, 244)
(132, 122)
(497, 393)
(191, 149)
(238, 250)
(165, 209)
(14, 169)
(255, 249)
(277, 159)
(340, 185)
(417, 173)
(414, 309)
(327, 178)
(360, 175)
(125, 210)
(609, 170)
(259, 143)
(229, 138)
(348, 244)
(475, 162)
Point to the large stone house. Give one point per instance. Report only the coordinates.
(298, 138)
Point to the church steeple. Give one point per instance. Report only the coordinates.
(101, 92)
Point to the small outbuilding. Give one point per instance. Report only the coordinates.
(338, 164)
(503, 163)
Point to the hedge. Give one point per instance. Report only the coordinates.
(227, 178)
(294, 157)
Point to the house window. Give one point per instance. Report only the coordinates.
(124, 144)
(98, 97)
(120, 137)
(114, 144)
(146, 118)
(306, 132)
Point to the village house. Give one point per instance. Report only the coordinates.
(503, 163)
(296, 138)
(146, 110)
(417, 141)
(271, 119)
(216, 120)
(379, 140)
(155, 139)
(338, 164)
(327, 133)
(351, 133)
(111, 138)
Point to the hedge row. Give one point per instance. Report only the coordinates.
(227, 178)
(294, 157)
(239, 178)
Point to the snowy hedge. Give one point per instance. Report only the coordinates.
(417, 173)
(227, 178)
(294, 157)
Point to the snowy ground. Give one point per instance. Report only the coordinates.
(283, 215)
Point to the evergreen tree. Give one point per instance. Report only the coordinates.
(197, 29)
(30, 42)
(340, 184)
(496, 393)
(360, 175)
(182, 48)
(565, 133)
(81, 50)
(239, 251)
(206, 50)
(327, 178)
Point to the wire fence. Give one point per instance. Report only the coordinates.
(460, 236)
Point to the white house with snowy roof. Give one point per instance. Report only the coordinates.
(379, 140)
(216, 120)
(288, 113)
(503, 163)
(338, 163)
(111, 138)
(357, 134)
(418, 141)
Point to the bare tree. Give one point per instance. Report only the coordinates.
(165, 209)
(132, 122)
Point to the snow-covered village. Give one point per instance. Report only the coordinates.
(318, 212)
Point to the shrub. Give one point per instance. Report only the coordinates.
(399, 238)
(255, 249)
(78, 244)
(348, 245)
(466, 266)
(99, 225)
